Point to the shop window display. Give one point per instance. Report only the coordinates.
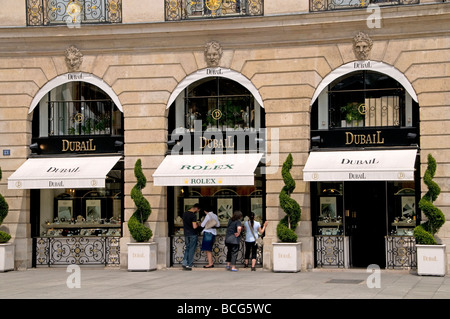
(83, 212)
(77, 122)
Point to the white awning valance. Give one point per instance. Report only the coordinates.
(68, 172)
(211, 170)
(386, 165)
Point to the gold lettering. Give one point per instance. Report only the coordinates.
(65, 145)
(77, 146)
(356, 139)
(348, 138)
(379, 141)
(216, 143)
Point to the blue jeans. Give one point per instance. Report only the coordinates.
(191, 245)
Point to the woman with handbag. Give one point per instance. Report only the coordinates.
(209, 225)
(232, 240)
(252, 231)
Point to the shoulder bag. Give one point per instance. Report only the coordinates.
(259, 241)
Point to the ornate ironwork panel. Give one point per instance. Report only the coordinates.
(73, 12)
(191, 9)
(219, 251)
(330, 251)
(77, 250)
(401, 252)
(327, 5)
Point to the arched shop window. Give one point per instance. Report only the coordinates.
(77, 109)
(220, 103)
(77, 126)
(365, 101)
(224, 108)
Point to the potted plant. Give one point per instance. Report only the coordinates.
(431, 256)
(6, 248)
(353, 116)
(142, 254)
(287, 253)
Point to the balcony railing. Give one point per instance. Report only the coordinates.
(329, 5)
(73, 12)
(194, 9)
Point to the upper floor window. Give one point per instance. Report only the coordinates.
(327, 5)
(220, 104)
(364, 99)
(191, 9)
(77, 109)
(73, 12)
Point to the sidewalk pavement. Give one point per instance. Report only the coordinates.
(217, 283)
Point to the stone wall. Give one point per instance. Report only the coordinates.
(285, 57)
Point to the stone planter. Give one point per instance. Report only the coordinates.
(287, 257)
(142, 256)
(6, 257)
(431, 260)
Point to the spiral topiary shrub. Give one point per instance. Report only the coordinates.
(287, 225)
(4, 237)
(138, 230)
(425, 232)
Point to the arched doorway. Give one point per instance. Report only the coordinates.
(364, 168)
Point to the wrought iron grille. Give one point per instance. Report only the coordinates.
(73, 12)
(94, 117)
(330, 251)
(328, 5)
(219, 251)
(192, 9)
(401, 252)
(77, 250)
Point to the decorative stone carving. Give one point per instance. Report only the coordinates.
(74, 58)
(362, 45)
(213, 54)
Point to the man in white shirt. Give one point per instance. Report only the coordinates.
(209, 224)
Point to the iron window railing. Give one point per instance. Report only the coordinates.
(329, 5)
(73, 12)
(78, 250)
(94, 117)
(194, 9)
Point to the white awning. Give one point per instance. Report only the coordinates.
(386, 165)
(211, 170)
(62, 172)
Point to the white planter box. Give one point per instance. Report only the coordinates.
(142, 256)
(431, 260)
(287, 257)
(6, 257)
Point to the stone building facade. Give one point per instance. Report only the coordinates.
(285, 53)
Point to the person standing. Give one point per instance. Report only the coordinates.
(232, 240)
(209, 224)
(190, 225)
(252, 231)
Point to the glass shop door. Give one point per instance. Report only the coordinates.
(365, 213)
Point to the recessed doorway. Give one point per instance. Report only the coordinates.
(365, 206)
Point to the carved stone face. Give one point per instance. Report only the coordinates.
(213, 54)
(362, 50)
(362, 45)
(74, 58)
